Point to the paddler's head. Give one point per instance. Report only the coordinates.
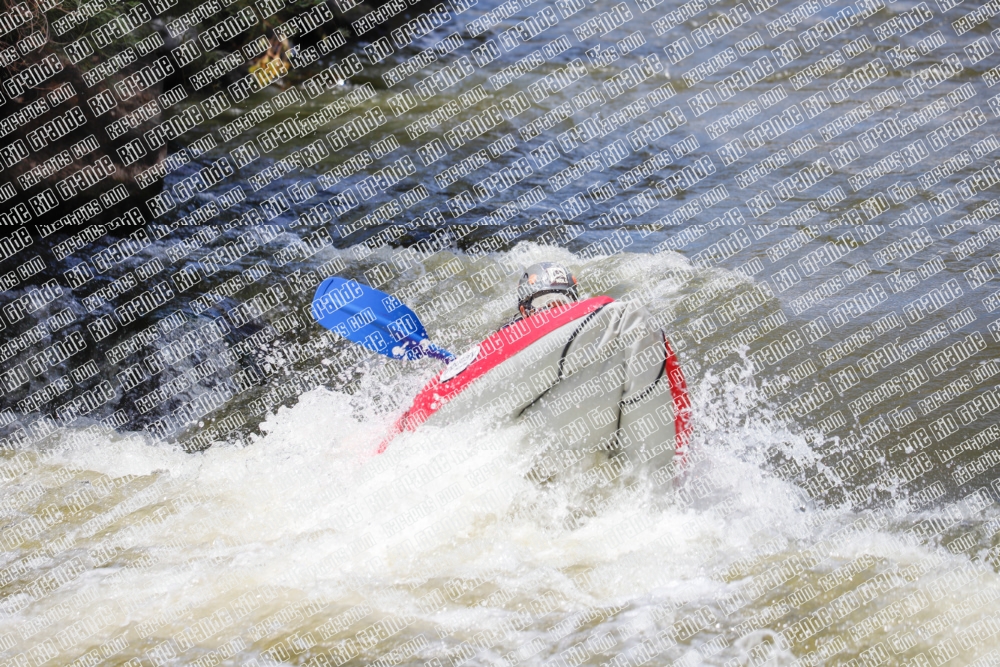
(543, 286)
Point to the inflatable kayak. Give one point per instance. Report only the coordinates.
(589, 375)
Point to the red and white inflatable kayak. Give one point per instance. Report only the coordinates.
(589, 372)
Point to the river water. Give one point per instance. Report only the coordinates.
(804, 530)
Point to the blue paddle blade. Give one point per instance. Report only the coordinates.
(376, 320)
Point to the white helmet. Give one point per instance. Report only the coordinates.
(544, 284)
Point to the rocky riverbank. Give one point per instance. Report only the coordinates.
(95, 92)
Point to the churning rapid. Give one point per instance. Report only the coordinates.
(297, 546)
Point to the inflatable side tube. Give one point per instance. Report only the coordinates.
(682, 404)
